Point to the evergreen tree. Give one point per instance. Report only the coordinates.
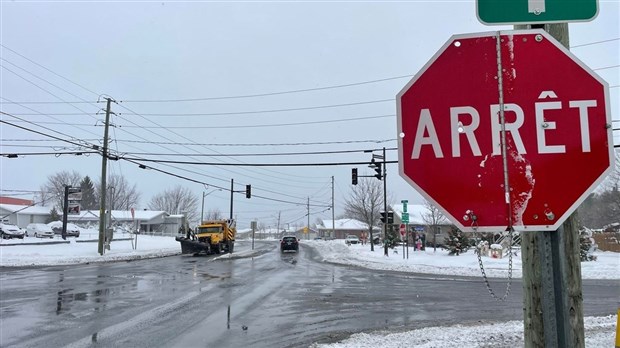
(54, 216)
(89, 199)
(391, 237)
(456, 242)
(587, 245)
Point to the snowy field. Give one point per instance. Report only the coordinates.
(600, 331)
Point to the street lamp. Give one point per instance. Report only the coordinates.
(202, 212)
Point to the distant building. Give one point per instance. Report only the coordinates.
(418, 225)
(22, 215)
(15, 201)
(146, 221)
(344, 227)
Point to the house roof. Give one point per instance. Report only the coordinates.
(344, 224)
(22, 209)
(15, 201)
(417, 212)
(143, 215)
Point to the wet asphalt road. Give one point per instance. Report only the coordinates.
(269, 300)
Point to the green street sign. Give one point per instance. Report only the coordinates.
(493, 12)
(405, 218)
(404, 202)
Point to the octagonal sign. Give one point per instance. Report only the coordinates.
(505, 129)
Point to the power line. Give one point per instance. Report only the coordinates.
(378, 141)
(607, 67)
(235, 126)
(47, 135)
(595, 43)
(374, 141)
(211, 185)
(266, 94)
(236, 96)
(46, 91)
(232, 171)
(247, 112)
(77, 153)
(263, 154)
(252, 164)
(43, 67)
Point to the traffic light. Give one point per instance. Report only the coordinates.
(390, 217)
(354, 176)
(377, 167)
(248, 191)
(382, 216)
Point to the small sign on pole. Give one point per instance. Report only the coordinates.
(492, 12)
(405, 218)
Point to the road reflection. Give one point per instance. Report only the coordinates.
(289, 257)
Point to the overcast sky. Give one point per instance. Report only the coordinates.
(258, 78)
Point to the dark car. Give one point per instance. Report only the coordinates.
(72, 229)
(289, 243)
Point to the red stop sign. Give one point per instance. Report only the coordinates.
(529, 171)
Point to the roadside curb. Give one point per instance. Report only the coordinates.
(41, 243)
(62, 242)
(97, 240)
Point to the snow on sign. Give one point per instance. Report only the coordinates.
(522, 148)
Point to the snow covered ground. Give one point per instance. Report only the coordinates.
(18, 252)
(600, 331)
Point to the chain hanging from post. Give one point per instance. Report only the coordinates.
(474, 224)
(504, 153)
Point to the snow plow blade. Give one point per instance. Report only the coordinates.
(189, 246)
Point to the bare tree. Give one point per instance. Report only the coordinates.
(613, 179)
(433, 217)
(365, 203)
(178, 200)
(214, 214)
(602, 207)
(120, 195)
(53, 190)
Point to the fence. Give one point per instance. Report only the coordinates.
(607, 241)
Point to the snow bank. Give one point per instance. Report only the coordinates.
(599, 332)
(428, 261)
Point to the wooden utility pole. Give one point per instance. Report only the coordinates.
(104, 166)
(552, 291)
(333, 211)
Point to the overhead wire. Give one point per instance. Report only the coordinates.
(43, 67)
(595, 42)
(329, 87)
(190, 140)
(243, 126)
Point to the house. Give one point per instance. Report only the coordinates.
(343, 227)
(146, 221)
(419, 223)
(22, 215)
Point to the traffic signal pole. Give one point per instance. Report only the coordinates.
(65, 212)
(552, 287)
(385, 246)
